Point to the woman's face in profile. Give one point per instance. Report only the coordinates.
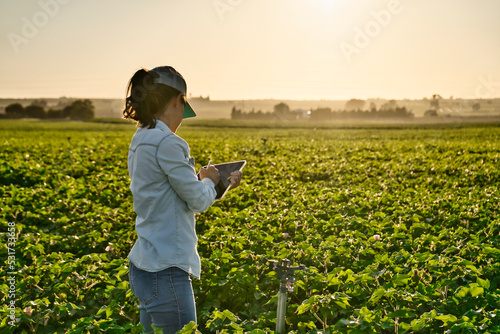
(175, 112)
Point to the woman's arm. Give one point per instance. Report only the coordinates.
(173, 159)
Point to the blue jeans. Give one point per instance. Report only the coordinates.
(166, 298)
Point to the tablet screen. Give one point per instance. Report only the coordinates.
(225, 171)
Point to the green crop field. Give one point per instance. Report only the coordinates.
(399, 227)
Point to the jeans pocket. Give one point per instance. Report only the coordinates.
(143, 284)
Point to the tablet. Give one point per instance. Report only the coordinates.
(225, 171)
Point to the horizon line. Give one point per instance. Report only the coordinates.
(262, 99)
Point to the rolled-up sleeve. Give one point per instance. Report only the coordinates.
(173, 158)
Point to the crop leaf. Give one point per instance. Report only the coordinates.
(475, 290)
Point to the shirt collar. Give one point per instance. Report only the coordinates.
(162, 126)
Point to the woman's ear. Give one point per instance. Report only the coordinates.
(178, 100)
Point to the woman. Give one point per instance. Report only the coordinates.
(166, 194)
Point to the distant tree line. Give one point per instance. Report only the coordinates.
(353, 110)
(435, 109)
(322, 114)
(257, 115)
(77, 110)
(281, 110)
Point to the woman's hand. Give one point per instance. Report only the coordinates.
(211, 172)
(235, 179)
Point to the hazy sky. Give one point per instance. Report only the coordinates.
(247, 49)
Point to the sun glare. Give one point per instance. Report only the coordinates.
(328, 3)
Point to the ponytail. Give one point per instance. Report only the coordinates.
(145, 99)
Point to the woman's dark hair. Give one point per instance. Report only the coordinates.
(146, 98)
